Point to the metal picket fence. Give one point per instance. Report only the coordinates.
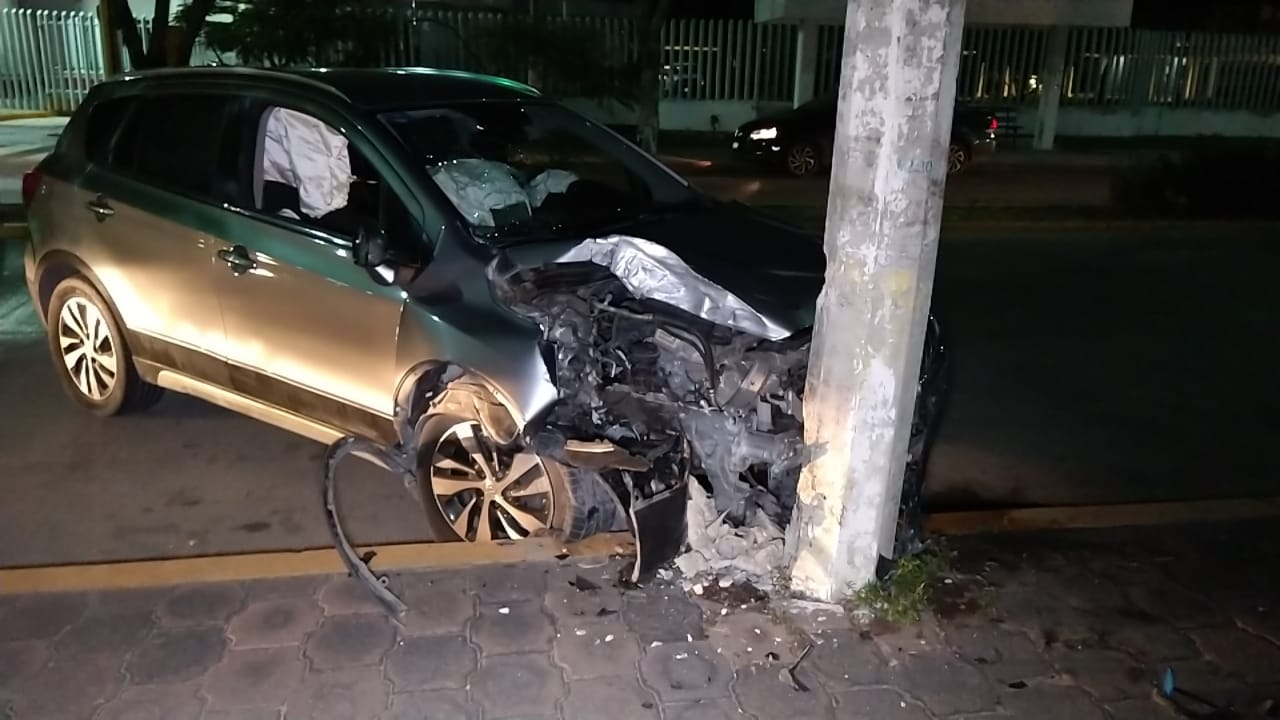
(717, 59)
(49, 59)
(702, 58)
(1003, 65)
(1113, 66)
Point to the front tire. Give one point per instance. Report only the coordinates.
(474, 490)
(92, 358)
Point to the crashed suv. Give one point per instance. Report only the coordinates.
(540, 326)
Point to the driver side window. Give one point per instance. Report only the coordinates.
(308, 174)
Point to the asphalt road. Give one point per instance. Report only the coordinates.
(1016, 178)
(1108, 369)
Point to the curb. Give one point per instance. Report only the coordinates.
(320, 561)
(13, 222)
(1084, 517)
(6, 116)
(1051, 227)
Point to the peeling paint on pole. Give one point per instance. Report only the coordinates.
(897, 92)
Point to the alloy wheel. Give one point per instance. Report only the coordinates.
(957, 156)
(486, 492)
(802, 159)
(87, 348)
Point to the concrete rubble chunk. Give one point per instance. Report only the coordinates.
(718, 551)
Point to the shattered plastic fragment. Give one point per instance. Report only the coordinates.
(356, 565)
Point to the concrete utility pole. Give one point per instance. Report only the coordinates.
(897, 91)
(806, 62)
(1055, 65)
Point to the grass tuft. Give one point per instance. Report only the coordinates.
(903, 595)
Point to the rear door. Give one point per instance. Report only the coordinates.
(147, 217)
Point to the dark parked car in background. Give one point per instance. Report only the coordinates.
(799, 141)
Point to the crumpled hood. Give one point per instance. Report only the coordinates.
(773, 269)
(653, 272)
(776, 269)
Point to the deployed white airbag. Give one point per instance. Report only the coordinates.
(549, 182)
(649, 270)
(307, 154)
(479, 187)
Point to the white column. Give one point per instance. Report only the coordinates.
(1055, 64)
(897, 89)
(806, 62)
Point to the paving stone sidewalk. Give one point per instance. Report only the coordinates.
(1073, 626)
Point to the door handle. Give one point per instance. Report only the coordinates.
(100, 208)
(237, 258)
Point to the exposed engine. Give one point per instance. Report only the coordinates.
(675, 390)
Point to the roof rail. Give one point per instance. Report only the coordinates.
(495, 79)
(231, 71)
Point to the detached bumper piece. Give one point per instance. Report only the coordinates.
(356, 565)
(659, 525)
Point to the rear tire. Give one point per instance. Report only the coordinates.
(802, 159)
(91, 355)
(958, 156)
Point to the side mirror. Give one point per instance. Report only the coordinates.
(370, 248)
(370, 252)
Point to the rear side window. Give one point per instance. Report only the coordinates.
(173, 142)
(105, 120)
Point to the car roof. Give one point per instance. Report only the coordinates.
(369, 88)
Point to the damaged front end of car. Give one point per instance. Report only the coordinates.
(662, 378)
(678, 375)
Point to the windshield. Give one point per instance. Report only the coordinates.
(516, 169)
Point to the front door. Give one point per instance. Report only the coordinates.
(307, 330)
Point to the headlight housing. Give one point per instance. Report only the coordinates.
(768, 133)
